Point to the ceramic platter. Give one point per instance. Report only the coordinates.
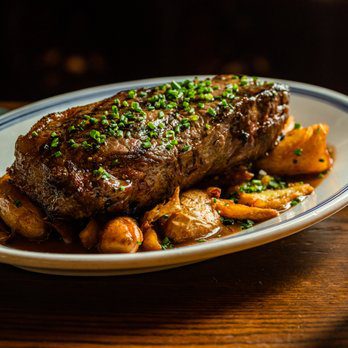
(309, 104)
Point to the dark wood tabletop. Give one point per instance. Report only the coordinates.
(289, 293)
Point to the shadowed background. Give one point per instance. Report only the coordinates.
(52, 47)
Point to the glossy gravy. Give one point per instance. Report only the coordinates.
(55, 245)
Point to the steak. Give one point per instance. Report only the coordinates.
(130, 151)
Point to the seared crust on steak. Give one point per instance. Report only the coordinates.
(131, 150)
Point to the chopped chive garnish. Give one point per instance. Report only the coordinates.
(298, 152)
(55, 142)
(151, 125)
(295, 202)
(211, 112)
(170, 133)
(17, 203)
(146, 144)
(132, 93)
(101, 172)
(57, 154)
(135, 106)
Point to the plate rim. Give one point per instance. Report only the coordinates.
(233, 243)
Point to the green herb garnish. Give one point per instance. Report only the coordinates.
(298, 152)
(167, 244)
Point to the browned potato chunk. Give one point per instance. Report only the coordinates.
(275, 199)
(172, 206)
(120, 235)
(196, 219)
(302, 151)
(151, 241)
(19, 213)
(231, 210)
(89, 235)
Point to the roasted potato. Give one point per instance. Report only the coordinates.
(185, 217)
(89, 235)
(19, 213)
(229, 209)
(275, 199)
(196, 219)
(173, 205)
(120, 235)
(151, 241)
(302, 151)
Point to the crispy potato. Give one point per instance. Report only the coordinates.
(172, 206)
(275, 199)
(302, 151)
(19, 213)
(188, 216)
(151, 241)
(231, 210)
(89, 235)
(196, 219)
(120, 235)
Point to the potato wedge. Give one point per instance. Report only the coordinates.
(151, 241)
(89, 235)
(196, 219)
(275, 199)
(19, 213)
(231, 210)
(188, 216)
(120, 235)
(302, 151)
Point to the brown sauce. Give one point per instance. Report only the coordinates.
(55, 245)
(52, 245)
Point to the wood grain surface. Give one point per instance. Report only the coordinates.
(290, 293)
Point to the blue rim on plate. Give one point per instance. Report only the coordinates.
(228, 244)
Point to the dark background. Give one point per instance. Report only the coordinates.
(57, 46)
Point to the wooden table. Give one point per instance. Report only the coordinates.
(290, 293)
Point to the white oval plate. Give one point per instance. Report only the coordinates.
(309, 104)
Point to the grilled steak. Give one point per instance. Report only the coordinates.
(131, 150)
